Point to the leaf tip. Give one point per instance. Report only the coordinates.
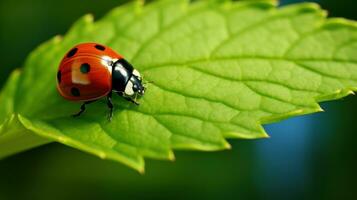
(138, 6)
(324, 13)
(226, 145)
(15, 72)
(88, 18)
(57, 39)
(141, 170)
(102, 155)
(171, 156)
(334, 23)
(308, 7)
(264, 134)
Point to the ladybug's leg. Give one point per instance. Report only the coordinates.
(110, 106)
(127, 98)
(132, 100)
(83, 108)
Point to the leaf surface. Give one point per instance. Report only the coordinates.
(219, 70)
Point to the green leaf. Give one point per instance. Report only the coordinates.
(7, 97)
(14, 137)
(219, 70)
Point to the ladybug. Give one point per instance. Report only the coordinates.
(91, 71)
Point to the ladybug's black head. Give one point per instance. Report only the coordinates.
(134, 86)
(137, 85)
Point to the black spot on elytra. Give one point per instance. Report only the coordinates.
(85, 68)
(99, 47)
(75, 92)
(72, 52)
(59, 76)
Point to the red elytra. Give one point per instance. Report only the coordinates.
(85, 72)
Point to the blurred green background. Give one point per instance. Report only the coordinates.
(309, 157)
